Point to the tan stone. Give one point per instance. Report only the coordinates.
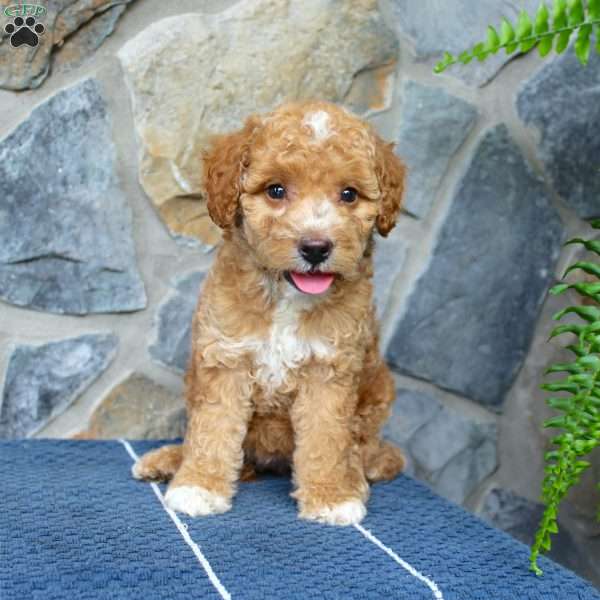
(194, 75)
(137, 408)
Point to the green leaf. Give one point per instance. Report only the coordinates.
(560, 403)
(572, 368)
(591, 245)
(591, 361)
(545, 45)
(593, 327)
(559, 288)
(465, 57)
(589, 313)
(577, 350)
(583, 44)
(594, 9)
(562, 41)
(507, 36)
(560, 387)
(588, 267)
(595, 223)
(541, 19)
(546, 543)
(559, 14)
(582, 379)
(527, 46)
(576, 12)
(493, 40)
(510, 48)
(524, 26)
(534, 567)
(479, 52)
(524, 30)
(569, 328)
(555, 423)
(591, 290)
(444, 63)
(507, 33)
(552, 527)
(541, 27)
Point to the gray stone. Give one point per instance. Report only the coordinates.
(195, 75)
(436, 27)
(27, 67)
(173, 343)
(65, 224)
(389, 260)
(470, 319)
(467, 469)
(520, 518)
(42, 381)
(434, 125)
(410, 412)
(449, 450)
(138, 408)
(562, 101)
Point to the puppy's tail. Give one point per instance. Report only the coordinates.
(159, 465)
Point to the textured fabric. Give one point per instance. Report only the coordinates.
(74, 524)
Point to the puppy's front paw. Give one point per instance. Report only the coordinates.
(196, 501)
(349, 512)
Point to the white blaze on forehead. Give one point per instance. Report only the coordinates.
(319, 214)
(318, 121)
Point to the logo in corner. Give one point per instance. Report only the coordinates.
(24, 29)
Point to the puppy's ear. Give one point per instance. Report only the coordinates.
(390, 173)
(223, 164)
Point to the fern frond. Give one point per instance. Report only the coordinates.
(579, 423)
(568, 18)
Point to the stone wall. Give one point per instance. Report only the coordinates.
(105, 239)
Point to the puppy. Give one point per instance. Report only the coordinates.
(285, 368)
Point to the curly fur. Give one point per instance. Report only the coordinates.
(279, 379)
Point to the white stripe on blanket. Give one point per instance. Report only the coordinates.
(431, 584)
(184, 533)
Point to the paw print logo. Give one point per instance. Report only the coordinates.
(24, 31)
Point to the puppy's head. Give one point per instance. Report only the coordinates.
(305, 187)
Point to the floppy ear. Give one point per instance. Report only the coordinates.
(223, 163)
(390, 174)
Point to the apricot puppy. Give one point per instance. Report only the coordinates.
(285, 368)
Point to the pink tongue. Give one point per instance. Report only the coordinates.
(312, 283)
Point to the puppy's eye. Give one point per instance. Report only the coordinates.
(348, 195)
(276, 191)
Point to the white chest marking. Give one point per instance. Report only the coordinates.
(318, 121)
(284, 350)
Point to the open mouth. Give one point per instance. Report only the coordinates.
(314, 282)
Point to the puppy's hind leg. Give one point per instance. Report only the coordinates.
(159, 465)
(381, 460)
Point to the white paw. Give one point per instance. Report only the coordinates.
(196, 501)
(136, 470)
(345, 513)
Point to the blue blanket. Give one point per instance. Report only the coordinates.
(75, 525)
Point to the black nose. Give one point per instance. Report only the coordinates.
(315, 251)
